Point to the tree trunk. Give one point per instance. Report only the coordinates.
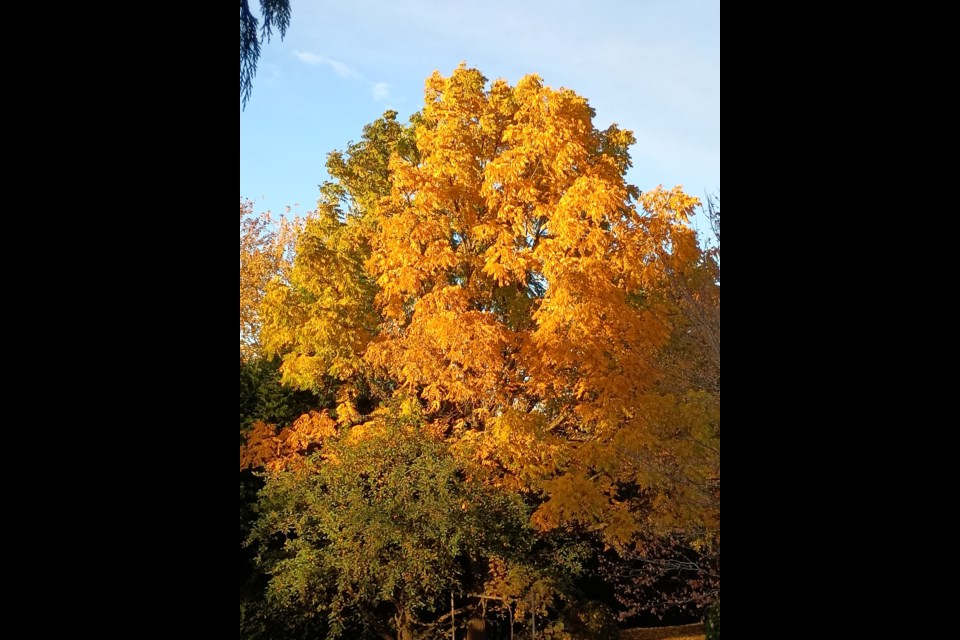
(405, 630)
(477, 625)
(477, 629)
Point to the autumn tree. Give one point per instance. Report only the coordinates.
(324, 316)
(491, 261)
(264, 255)
(675, 565)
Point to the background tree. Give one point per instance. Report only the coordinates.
(276, 15)
(265, 247)
(672, 567)
(265, 405)
(323, 317)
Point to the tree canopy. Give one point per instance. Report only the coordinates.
(512, 334)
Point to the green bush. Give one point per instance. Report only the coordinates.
(591, 621)
(712, 621)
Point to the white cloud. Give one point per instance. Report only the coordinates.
(343, 70)
(653, 66)
(309, 58)
(380, 91)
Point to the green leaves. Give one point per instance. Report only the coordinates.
(387, 514)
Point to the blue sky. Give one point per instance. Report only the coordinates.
(651, 66)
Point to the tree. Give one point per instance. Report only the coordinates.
(264, 246)
(675, 566)
(276, 15)
(490, 261)
(324, 317)
(263, 400)
(379, 526)
(515, 290)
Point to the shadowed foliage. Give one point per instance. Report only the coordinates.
(276, 15)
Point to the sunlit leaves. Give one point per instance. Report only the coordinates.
(265, 246)
(489, 261)
(266, 448)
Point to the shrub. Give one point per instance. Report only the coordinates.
(711, 621)
(592, 621)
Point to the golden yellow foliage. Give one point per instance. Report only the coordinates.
(495, 265)
(264, 247)
(279, 451)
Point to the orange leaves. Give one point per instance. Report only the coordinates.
(449, 352)
(264, 247)
(262, 446)
(505, 263)
(517, 448)
(490, 264)
(574, 499)
(673, 205)
(515, 191)
(309, 429)
(588, 502)
(410, 253)
(667, 238)
(285, 450)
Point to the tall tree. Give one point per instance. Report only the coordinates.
(514, 283)
(276, 15)
(491, 262)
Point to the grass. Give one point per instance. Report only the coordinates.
(685, 632)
